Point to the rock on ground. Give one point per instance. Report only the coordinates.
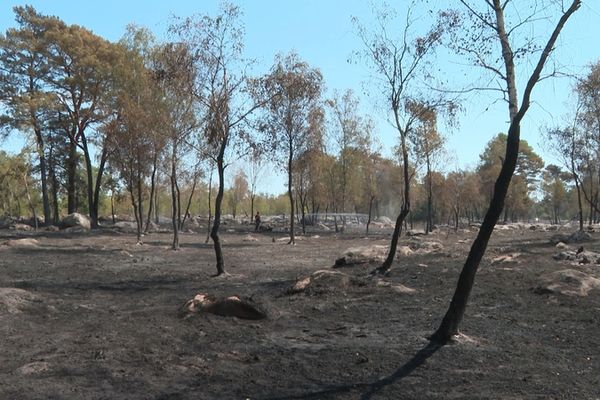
(569, 282)
(369, 254)
(581, 256)
(13, 300)
(76, 220)
(575, 237)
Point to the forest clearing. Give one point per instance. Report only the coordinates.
(94, 315)
(186, 220)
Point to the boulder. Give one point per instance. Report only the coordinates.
(14, 301)
(575, 237)
(362, 255)
(568, 282)
(76, 220)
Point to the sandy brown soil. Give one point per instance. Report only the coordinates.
(95, 316)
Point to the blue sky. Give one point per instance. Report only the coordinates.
(322, 33)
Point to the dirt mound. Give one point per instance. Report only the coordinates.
(249, 238)
(25, 242)
(424, 247)
(14, 301)
(368, 254)
(569, 282)
(324, 281)
(232, 306)
(398, 288)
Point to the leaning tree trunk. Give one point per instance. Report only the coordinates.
(455, 313)
(404, 211)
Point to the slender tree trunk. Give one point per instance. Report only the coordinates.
(404, 211)
(29, 202)
(455, 313)
(140, 210)
(214, 233)
(209, 205)
(43, 175)
(579, 203)
(290, 193)
(90, 180)
(174, 209)
(99, 175)
(54, 182)
(156, 205)
(152, 189)
(186, 214)
(178, 192)
(112, 206)
(135, 212)
(252, 197)
(371, 200)
(71, 177)
(429, 226)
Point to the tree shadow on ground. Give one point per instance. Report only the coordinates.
(369, 389)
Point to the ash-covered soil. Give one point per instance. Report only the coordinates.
(95, 316)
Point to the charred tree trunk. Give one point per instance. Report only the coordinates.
(404, 211)
(152, 189)
(371, 200)
(214, 233)
(174, 212)
(140, 209)
(209, 206)
(90, 181)
(98, 184)
(54, 182)
(43, 175)
(290, 193)
(186, 214)
(455, 313)
(175, 204)
(429, 226)
(71, 177)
